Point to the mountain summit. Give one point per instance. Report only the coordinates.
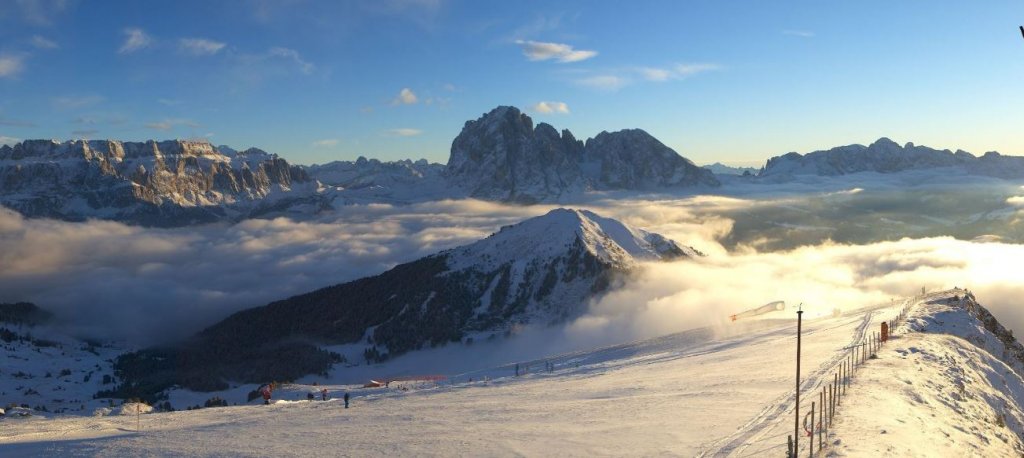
(502, 156)
(543, 270)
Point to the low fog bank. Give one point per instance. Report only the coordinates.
(683, 295)
(829, 249)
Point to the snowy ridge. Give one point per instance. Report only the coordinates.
(551, 235)
(886, 156)
(950, 386)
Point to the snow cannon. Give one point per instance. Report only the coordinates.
(766, 308)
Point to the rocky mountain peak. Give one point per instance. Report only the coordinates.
(501, 156)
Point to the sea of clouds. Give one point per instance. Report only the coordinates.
(856, 243)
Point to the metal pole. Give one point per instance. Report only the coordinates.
(811, 440)
(821, 419)
(796, 419)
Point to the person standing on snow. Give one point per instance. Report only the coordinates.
(346, 400)
(323, 394)
(265, 391)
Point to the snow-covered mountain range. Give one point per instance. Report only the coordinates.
(168, 183)
(886, 156)
(541, 271)
(501, 156)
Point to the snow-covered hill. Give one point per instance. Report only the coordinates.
(886, 156)
(45, 370)
(541, 271)
(167, 183)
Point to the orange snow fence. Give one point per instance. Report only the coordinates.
(885, 331)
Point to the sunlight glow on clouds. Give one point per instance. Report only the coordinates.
(135, 39)
(563, 53)
(405, 97)
(551, 107)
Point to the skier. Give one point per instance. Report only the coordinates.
(323, 394)
(346, 400)
(265, 391)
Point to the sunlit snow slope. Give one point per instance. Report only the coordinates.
(713, 392)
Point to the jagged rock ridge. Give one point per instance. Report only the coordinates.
(165, 183)
(886, 156)
(502, 156)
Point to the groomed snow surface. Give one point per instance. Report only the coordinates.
(710, 392)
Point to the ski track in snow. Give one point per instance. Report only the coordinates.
(778, 411)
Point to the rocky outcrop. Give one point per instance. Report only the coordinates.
(166, 183)
(502, 156)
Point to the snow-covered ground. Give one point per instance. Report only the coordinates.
(44, 368)
(709, 391)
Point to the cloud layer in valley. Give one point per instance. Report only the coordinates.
(837, 248)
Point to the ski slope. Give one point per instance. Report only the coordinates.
(704, 392)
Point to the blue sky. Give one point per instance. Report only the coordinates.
(315, 81)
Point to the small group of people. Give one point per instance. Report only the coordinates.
(267, 389)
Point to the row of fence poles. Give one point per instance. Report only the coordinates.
(831, 396)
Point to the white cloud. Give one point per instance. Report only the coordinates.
(655, 74)
(685, 70)
(200, 46)
(135, 39)
(10, 141)
(293, 55)
(326, 143)
(675, 72)
(11, 65)
(75, 102)
(405, 97)
(43, 43)
(169, 102)
(604, 82)
(551, 107)
(41, 12)
(168, 124)
(405, 132)
(798, 33)
(449, 87)
(539, 50)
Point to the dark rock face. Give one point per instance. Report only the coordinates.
(502, 156)
(166, 183)
(633, 159)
